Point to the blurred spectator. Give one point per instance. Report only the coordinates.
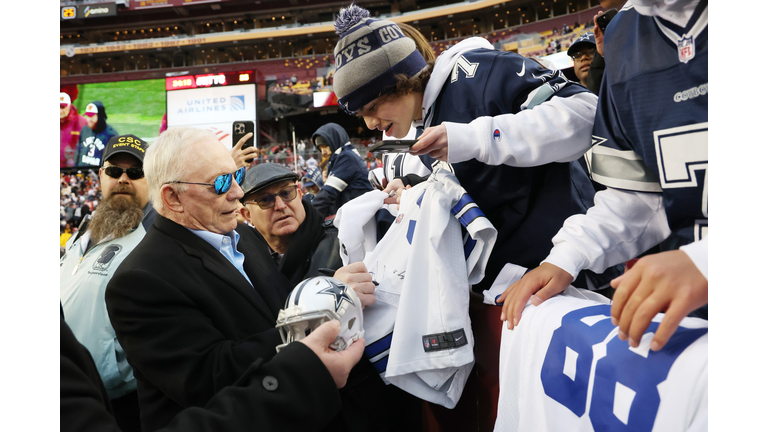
(66, 233)
(163, 124)
(70, 125)
(94, 136)
(597, 67)
(582, 52)
(347, 176)
(81, 210)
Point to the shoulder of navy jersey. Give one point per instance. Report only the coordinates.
(491, 82)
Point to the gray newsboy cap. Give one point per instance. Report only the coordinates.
(265, 174)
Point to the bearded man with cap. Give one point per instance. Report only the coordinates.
(70, 124)
(94, 136)
(91, 258)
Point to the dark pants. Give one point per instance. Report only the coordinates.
(126, 410)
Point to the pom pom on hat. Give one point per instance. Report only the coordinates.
(348, 17)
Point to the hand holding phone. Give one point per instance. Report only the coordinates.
(603, 20)
(239, 130)
(395, 146)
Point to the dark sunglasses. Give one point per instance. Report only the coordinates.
(268, 201)
(116, 172)
(589, 52)
(221, 183)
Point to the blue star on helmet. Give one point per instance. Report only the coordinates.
(339, 292)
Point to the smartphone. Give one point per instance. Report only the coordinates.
(373, 179)
(395, 146)
(240, 129)
(605, 18)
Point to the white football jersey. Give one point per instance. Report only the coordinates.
(563, 368)
(418, 332)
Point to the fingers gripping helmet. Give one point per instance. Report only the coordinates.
(315, 301)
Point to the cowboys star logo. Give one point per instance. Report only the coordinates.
(339, 292)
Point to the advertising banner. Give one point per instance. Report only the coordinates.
(212, 108)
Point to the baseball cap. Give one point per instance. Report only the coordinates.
(130, 144)
(308, 182)
(584, 39)
(91, 109)
(64, 99)
(265, 174)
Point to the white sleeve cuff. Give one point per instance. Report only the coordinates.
(698, 253)
(567, 258)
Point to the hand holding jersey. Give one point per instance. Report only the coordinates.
(395, 189)
(542, 283)
(667, 281)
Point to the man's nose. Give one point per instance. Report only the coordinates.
(124, 178)
(235, 191)
(279, 203)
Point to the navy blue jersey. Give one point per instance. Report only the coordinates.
(527, 205)
(347, 175)
(347, 180)
(651, 127)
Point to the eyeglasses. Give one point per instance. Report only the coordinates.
(134, 173)
(268, 201)
(221, 183)
(589, 52)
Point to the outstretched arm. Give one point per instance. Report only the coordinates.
(619, 227)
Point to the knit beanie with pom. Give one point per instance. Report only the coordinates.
(370, 54)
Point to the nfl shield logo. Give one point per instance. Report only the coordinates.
(497, 135)
(686, 49)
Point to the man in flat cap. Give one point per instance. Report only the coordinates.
(91, 258)
(301, 241)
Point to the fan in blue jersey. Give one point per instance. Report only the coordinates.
(347, 174)
(511, 129)
(650, 139)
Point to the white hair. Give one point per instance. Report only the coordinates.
(167, 160)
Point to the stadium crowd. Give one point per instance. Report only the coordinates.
(175, 270)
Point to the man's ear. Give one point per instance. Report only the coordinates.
(245, 213)
(171, 198)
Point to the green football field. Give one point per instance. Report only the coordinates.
(133, 107)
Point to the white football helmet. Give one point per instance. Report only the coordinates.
(315, 301)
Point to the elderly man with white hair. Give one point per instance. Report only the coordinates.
(195, 304)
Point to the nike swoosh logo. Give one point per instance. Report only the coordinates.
(522, 72)
(457, 339)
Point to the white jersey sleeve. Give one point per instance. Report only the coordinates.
(558, 130)
(418, 332)
(357, 227)
(620, 226)
(565, 369)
